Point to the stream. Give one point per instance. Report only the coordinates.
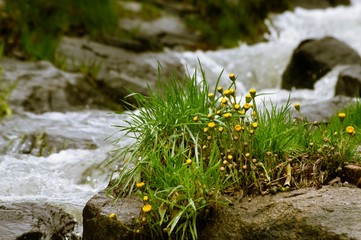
(70, 176)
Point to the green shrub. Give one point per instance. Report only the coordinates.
(194, 146)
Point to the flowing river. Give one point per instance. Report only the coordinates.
(69, 178)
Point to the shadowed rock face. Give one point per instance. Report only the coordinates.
(349, 82)
(35, 221)
(313, 58)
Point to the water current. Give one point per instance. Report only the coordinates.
(71, 177)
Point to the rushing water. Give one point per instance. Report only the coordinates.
(71, 177)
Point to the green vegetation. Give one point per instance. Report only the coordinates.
(35, 27)
(194, 147)
(5, 90)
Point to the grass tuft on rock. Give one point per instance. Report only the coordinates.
(194, 147)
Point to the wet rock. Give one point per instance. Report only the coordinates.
(349, 82)
(122, 71)
(40, 87)
(312, 4)
(351, 173)
(97, 225)
(313, 58)
(35, 221)
(328, 213)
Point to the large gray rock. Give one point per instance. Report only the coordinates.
(313, 58)
(349, 82)
(327, 213)
(35, 221)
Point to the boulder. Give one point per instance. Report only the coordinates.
(35, 221)
(328, 213)
(97, 225)
(312, 4)
(349, 82)
(313, 58)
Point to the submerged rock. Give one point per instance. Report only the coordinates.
(313, 58)
(35, 221)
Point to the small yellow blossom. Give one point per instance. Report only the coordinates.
(145, 198)
(224, 100)
(248, 98)
(242, 112)
(113, 216)
(246, 106)
(254, 125)
(220, 129)
(229, 157)
(297, 106)
(227, 93)
(342, 116)
(232, 91)
(227, 115)
(232, 77)
(147, 208)
(205, 130)
(350, 130)
(244, 167)
(236, 106)
(251, 131)
(209, 115)
(195, 119)
(252, 91)
(219, 112)
(189, 161)
(211, 125)
(220, 89)
(238, 127)
(139, 185)
(211, 96)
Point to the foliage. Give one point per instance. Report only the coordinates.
(5, 91)
(193, 147)
(35, 26)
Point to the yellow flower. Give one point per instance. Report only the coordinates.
(254, 125)
(236, 106)
(246, 106)
(350, 130)
(238, 127)
(297, 106)
(227, 93)
(248, 98)
(113, 216)
(147, 208)
(251, 131)
(139, 185)
(342, 116)
(219, 112)
(220, 129)
(230, 157)
(211, 125)
(242, 112)
(209, 115)
(252, 91)
(220, 89)
(227, 115)
(232, 91)
(232, 76)
(205, 130)
(189, 161)
(145, 198)
(211, 96)
(195, 119)
(224, 100)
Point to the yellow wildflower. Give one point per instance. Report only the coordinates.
(254, 125)
(139, 185)
(246, 106)
(236, 106)
(350, 130)
(219, 112)
(147, 208)
(220, 89)
(205, 130)
(297, 106)
(232, 91)
(211, 125)
(220, 129)
(211, 96)
(209, 115)
(227, 93)
(189, 161)
(238, 127)
(195, 119)
(224, 100)
(248, 98)
(113, 216)
(342, 116)
(145, 198)
(227, 115)
(252, 91)
(232, 77)
(230, 157)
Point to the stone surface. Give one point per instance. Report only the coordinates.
(328, 213)
(35, 221)
(313, 58)
(96, 222)
(312, 4)
(349, 82)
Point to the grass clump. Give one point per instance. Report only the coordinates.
(194, 147)
(5, 90)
